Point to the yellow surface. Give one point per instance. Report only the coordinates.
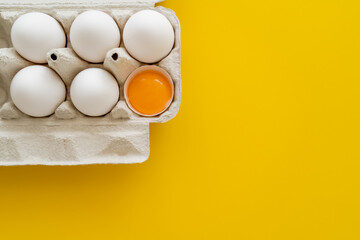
(266, 144)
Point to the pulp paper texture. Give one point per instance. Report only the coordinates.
(68, 137)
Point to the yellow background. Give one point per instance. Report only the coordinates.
(265, 146)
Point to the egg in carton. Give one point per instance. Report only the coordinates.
(69, 137)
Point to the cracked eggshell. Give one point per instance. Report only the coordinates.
(154, 86)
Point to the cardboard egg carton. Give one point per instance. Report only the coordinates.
(68, 137)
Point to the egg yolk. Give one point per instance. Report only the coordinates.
(149, 92)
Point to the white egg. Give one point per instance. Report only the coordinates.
(37, 91)
(34, 34)
(92, 34)
(94, 92)
(148, 36)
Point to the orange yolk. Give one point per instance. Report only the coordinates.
(149, 92)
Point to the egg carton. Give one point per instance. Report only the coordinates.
(68, 137)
